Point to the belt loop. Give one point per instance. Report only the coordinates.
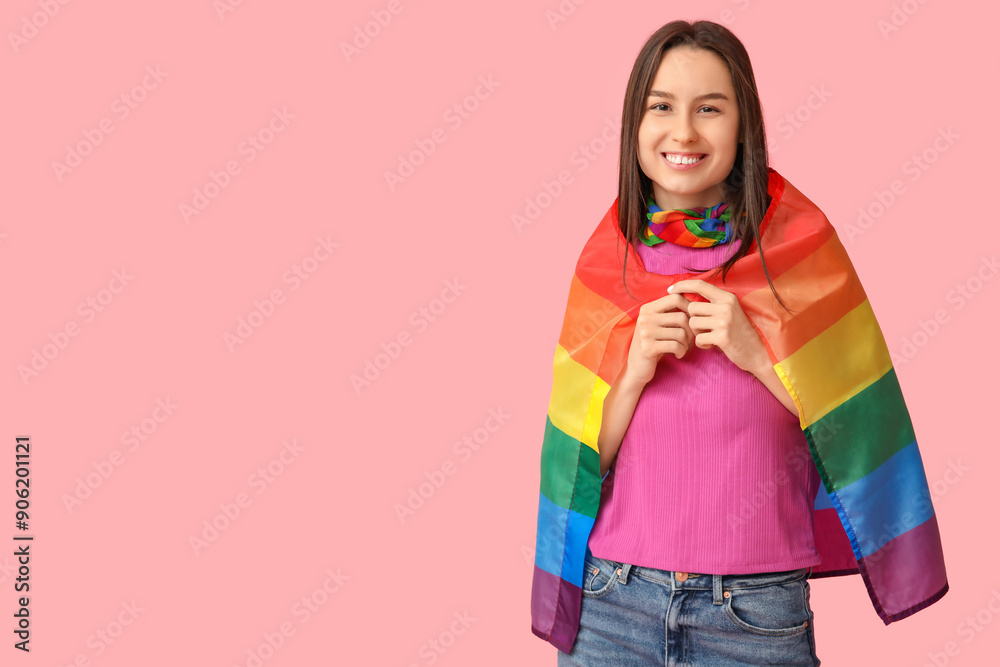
(716, 589)
(623, 572)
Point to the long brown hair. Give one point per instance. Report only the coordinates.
(746, 184)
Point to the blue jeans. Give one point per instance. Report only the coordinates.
(634, 615)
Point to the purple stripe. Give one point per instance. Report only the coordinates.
(907, 571)
(558, 629)
(832, 543)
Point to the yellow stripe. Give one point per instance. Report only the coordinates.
(794, 394)
(838, 363)
(576, 405)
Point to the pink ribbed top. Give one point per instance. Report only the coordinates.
(714, 474)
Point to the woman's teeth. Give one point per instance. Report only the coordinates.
(680, 159)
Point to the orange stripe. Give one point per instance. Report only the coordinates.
(822, 290)
(586, 327)
(588, 335)
(617, 352)
(809, 233)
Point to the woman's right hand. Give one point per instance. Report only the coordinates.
(661, 327)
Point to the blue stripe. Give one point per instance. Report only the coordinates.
(552, 553)
(889, 501)
(550, 538)
(579, 534)
(822, 498)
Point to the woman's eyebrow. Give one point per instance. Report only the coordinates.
(700, 98)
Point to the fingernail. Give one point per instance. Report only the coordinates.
(670, 289)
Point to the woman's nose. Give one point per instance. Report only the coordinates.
(683, 129)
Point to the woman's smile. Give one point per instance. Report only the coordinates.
(683, 161)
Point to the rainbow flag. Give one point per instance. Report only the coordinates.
(874, 514)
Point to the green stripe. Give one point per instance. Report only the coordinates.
(560, 455)
(858, 436)
(693, 226)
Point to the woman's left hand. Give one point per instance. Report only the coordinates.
(720, 321)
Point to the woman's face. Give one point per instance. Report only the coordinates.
(689, 130)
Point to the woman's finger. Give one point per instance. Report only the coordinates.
(709, 291)
(704, 309)
(667, 303)
(674, 318)
(699, 324)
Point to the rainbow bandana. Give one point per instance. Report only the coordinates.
(873, 513)
(695, 227)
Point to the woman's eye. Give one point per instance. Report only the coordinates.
(662, 106)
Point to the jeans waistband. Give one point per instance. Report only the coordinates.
(698, 580)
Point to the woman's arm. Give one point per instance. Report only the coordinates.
(766, 374)
(660, 328)
(619, 406)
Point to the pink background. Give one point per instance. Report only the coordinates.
(403, 587)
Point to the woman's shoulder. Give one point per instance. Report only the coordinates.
(796, 214)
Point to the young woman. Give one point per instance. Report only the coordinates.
(710, 409)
